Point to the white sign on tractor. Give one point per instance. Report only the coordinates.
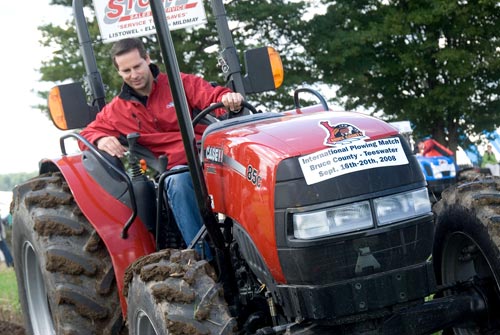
(119, 19)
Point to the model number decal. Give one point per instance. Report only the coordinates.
(253, 176)
(351, 157)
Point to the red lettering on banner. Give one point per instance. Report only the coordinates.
(121, 10)
(113, 10)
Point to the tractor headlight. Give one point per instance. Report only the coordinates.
(358, 215)
(332, 221)
(402, 206)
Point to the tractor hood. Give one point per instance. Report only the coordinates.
(294, 135)
(328, 144)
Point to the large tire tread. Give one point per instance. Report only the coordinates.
(179, 293)
(467, 245)
(76, 267)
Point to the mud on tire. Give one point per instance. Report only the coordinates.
(172, 292)
(467, 246)
(64, 274)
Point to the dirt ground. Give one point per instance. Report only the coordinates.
(10, 328)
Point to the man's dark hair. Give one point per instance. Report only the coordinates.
(128, 44)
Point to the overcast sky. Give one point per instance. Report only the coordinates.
(26, 135)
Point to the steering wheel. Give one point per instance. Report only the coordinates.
(309, 90)
(213, 107)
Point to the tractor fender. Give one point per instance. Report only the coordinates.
(106, 214)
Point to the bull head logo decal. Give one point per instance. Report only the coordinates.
(341, 132)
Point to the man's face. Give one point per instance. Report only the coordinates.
(135, 71)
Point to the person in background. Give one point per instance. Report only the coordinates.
(145, 106)
(3, 245)
(490, 161)
(420, 148)
(432, 148)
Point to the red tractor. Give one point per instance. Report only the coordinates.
(319, 221)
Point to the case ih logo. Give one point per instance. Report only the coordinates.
(214, 154)
(340, 133)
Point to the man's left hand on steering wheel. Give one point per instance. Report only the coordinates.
(232, 101)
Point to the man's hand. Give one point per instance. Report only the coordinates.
(232, 101)
(111, 145)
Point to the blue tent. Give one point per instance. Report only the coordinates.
(495, 139)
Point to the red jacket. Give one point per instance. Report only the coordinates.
(156, 122)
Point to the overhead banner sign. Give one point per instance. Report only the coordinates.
(119, 19)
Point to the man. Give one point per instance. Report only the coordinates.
(145, 106)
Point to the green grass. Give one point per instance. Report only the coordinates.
(10, 309)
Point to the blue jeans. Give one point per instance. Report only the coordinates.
(182, 202)
(6, 253)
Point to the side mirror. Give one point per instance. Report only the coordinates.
(68, 107)
(264, 70)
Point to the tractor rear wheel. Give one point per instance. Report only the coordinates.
(467, 246)
(172, 292)
(65, 277)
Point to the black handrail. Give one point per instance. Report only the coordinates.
(313, 92)
(106, 161)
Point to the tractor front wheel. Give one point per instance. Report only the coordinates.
(172, 292)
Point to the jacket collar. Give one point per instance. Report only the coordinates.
(128, 93)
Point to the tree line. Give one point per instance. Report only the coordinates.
(435, 63)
